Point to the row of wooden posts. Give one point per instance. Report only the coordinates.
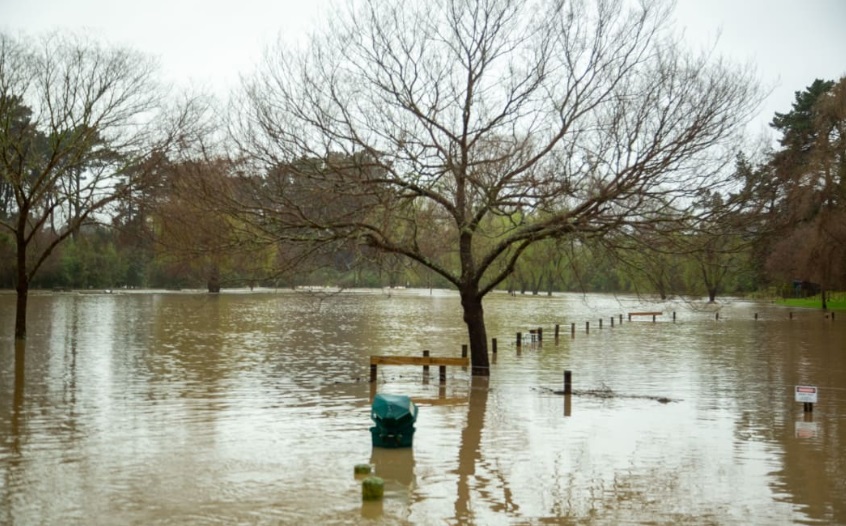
(535, 336)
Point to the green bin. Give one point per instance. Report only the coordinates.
(394, 417)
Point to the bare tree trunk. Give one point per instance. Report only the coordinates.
(214, 279)
(22, 289)
(474, 318)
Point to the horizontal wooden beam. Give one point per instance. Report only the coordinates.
(418, 360)
(440, 401)
(646, 314)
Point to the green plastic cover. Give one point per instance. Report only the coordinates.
(394, 416)
(393, 410)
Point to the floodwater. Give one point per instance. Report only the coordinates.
(253, 408)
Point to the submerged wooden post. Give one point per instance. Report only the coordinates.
(653, 318)
(493, 345)
(556, 331)
(464, 351)
(630, 316)
(540, 334)
(442, 374)
(674, 315)
(756, 315)
(587, 326)
(568, 382)
(573, 330)
(716, 315)
(790, 315)
(373, 372)
(612, 321)
(621, 319)
(426, 367)
(519, 338)
(600, 323)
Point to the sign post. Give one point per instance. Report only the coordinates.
(807, 394)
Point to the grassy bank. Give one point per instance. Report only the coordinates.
(836, 301)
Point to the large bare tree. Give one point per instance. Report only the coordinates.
(486, 126)
(75, 116)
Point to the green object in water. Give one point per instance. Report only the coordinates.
(394, 417)
(362, 469)
(372, 488)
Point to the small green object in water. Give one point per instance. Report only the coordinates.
(372, 488)
(362, 469)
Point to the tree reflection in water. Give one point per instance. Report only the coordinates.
(470, 455)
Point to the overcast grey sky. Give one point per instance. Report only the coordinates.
(208, 43)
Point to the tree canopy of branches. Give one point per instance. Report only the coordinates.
(486, 126)
(74, 115)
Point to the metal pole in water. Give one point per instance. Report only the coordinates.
(568, 382)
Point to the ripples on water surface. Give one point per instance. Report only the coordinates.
(254, 408)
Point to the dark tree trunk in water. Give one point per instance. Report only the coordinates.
(712, 295)
(20, 309)
(474, 317)
(214, 279)
(22, 289)
(824, 301)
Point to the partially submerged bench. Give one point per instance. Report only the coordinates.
(653, 314)
(425, 361)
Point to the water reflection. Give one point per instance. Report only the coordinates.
(17, 418)
(470, 452)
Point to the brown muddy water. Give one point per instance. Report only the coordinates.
(253, 408)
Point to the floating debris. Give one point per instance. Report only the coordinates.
(607, 393)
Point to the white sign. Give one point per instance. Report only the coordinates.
(806, 393)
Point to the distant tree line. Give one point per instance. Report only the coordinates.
(785, 221)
